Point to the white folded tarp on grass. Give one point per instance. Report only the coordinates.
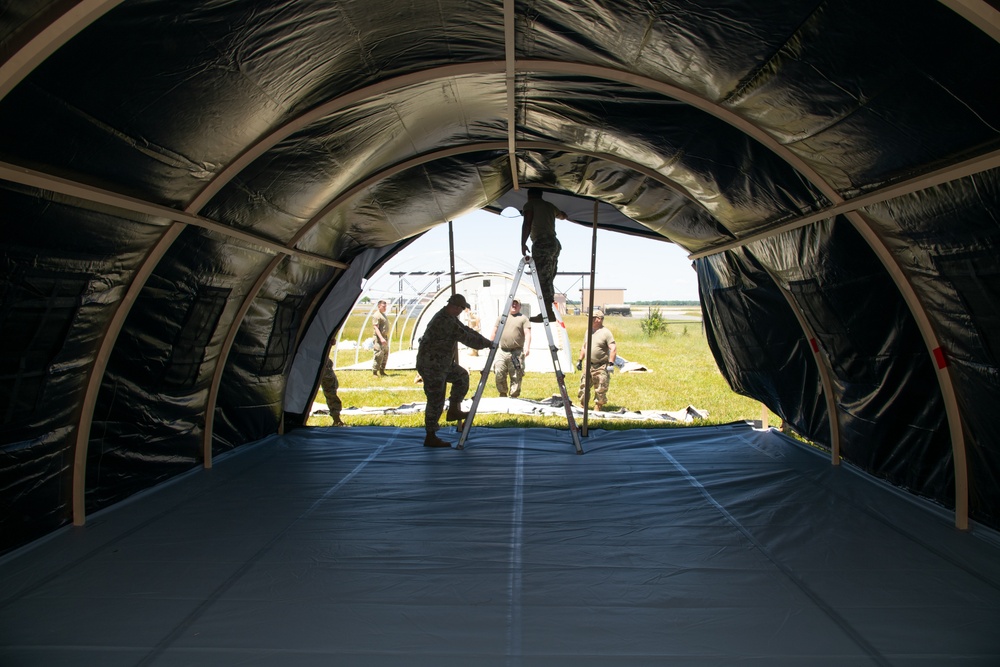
(523, 406)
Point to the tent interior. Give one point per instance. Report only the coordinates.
(192, 195)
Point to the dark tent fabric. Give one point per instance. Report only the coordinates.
(183, 185)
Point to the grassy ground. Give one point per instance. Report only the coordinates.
(683, 373)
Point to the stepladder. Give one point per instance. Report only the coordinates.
(526, 263)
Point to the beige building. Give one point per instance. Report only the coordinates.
(603, 297)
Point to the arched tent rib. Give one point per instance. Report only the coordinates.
(955, 172)
(56, 25)
(131, 204)
(823, 367)
(979, 13)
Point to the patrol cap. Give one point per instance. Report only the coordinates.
(599, 313)
(458, 300)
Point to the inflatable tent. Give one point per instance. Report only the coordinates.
(192, 194)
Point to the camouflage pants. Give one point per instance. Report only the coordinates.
(546, 256)
(330, 386)
(600, 379)
(436, 379)
(503, 368)
(380, 358)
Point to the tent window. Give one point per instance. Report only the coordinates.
(746, 347)
(283, 330)
(977, 280)
(200, 323)
(38, 309)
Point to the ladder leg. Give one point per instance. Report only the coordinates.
(560, 376)
(484, 376)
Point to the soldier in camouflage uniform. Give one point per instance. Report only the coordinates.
(603, 352)
(330, 385)
(515, 346)
(540, 224)
(380, 328)
(436, 365)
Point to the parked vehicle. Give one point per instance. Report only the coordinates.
(619, 309)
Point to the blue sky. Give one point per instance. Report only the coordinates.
(646, 268)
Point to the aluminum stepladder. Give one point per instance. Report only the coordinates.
(560, 376)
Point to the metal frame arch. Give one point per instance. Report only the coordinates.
(938, 358)
(54, 28)
(220, 366)
(96, 374)
(822, 365)
(978, 13)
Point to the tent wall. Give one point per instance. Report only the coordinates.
(946, 239)
(758, 343)
(890, 417)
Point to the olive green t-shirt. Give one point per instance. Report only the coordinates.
(543, 221)
(600, 347)
(513, 331)
(381, 322)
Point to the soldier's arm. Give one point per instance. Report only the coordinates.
(472, 338)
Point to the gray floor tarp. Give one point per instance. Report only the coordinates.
(696, 546)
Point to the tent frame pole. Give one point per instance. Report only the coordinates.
(590, 324)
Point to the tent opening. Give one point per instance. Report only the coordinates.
(648, 289)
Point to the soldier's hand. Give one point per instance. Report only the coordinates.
(579, 364)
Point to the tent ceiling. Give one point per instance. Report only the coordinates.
(183, 187)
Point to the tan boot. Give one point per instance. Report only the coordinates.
(431, 440)
(455, 412)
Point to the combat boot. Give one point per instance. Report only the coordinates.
(455, 412)
(431, 440)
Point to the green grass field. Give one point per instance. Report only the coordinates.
(683, 373)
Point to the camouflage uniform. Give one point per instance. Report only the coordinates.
(546, 256)
(330, 385)
(510, 357)
(544, 245)
(600, 357)
(436, 363)
(599, 383)
(380, 321)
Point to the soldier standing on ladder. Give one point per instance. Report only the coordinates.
(540, 224)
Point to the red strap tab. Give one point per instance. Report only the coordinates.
(940, 358)
(815, 345)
